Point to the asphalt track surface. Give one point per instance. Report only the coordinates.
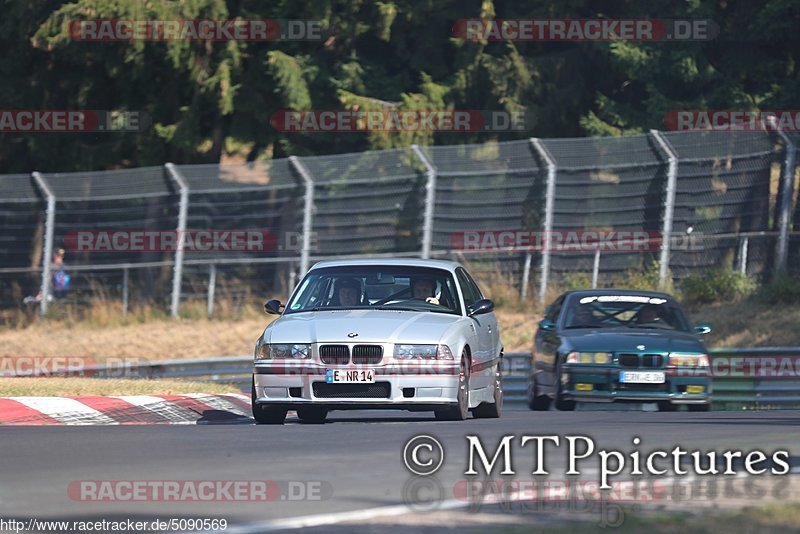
(357, 457)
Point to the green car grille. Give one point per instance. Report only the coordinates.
(640, 361)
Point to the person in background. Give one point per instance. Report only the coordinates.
(59, 281)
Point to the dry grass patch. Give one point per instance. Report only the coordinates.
(160, 339)
(63, 387)
(750, 324)
(746, 323)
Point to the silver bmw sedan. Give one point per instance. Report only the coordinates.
(407, 334)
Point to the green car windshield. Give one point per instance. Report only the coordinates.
(626, 311)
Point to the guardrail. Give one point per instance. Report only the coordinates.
(758, 377)
(766, 377)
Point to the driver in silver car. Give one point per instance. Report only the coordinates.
(423, 289)
(348, 293)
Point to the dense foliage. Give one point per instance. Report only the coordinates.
(211, 101)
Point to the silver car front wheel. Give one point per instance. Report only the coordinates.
(492, 410)
(460, 410)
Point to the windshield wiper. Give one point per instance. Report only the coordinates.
(583, 326)
(397, 308)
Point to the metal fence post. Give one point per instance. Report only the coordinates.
(526, 276)
(177, 272)
(125, 282)
(212, 286)
(784, 211)
(669, 205)
(596, 268)
(49, 229)
(430, 200)
(743, 246)
(549, 206)
(308, 208)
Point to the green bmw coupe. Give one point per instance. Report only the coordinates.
(618, 345)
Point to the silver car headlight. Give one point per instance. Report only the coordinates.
(283, 351)
(422, 352)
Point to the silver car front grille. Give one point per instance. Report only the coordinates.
(367, 354)
(334, 354)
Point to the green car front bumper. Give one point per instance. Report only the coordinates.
(602, 383)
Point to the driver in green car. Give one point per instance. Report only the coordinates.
(584, 317)
(648, 315)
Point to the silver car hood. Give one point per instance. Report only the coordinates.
(373, 326)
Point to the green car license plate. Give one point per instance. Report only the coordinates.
(642, 377)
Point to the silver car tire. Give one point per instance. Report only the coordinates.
(492, 410)
(460, 410)
(264, 414)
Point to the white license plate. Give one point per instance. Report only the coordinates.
(642, 377)
(350, 376)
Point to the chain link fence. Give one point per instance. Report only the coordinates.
(607, 184)
(722, 194)
(485, 189)
(532, 213)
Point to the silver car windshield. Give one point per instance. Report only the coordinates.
(377, 287)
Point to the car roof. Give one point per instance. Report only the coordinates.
(405, 262)
(623, 292)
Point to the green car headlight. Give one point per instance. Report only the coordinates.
(688, 360)
(602, 357)
(589, 357)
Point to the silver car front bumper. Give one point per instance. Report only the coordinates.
(396, 385)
